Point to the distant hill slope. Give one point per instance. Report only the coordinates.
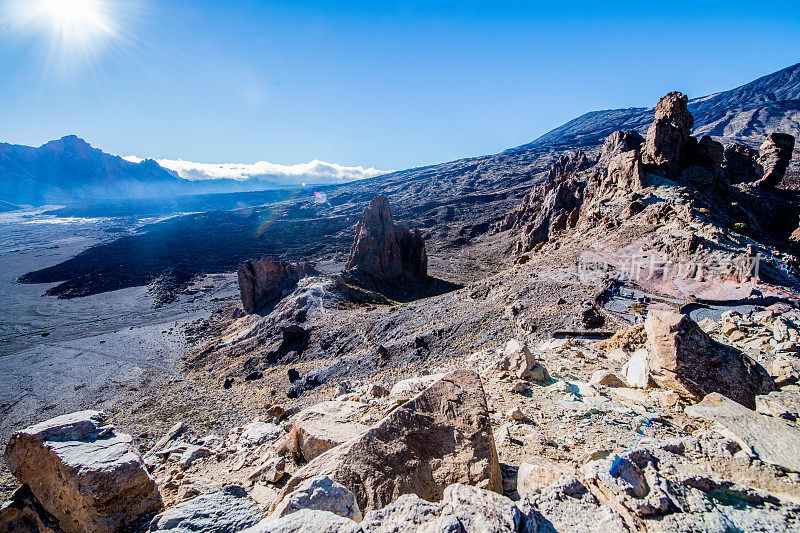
(70, 169)
(745, 114)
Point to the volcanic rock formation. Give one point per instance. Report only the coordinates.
(774, 157)
(668, 137)
(386, 254)
(268, 279)
(577, 193)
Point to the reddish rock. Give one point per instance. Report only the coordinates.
(774, 157)
(668, 138)
(268, 279)
(682, 357)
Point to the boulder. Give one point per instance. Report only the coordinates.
(536, 473)
(268, 280)
(224, 511)
(256, 433)
(480, 511)
(682, 357)
(270, 471)
(605, 378)
(23, 514)
(741, 163)
(518, 361)
(440, 437)
(306, 521)
(83, 472)
(783, 404)
(668, 138)
(384, 252)
(326, 425)
(407, 514)
(636, 372)
(567, 505)
(775, 441)
(774, 157)
(319, 493)
(631, 480)
(407, 388)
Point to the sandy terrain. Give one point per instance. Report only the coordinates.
(57, 355)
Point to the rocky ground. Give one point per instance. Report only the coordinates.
(495, 389)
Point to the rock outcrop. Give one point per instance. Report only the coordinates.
(682, 357)
(224, 511)
(617, 143)
(83, 473)
(741, 163)
(319, 493)
(440, 437)
(774, 157)
(326, 425)
(775, 441)
(668, 138)
(386, 254)
(269, 279)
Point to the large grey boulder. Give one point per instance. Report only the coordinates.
(83, 473)
(440, 437)
(306, 521)
(224, 511)
(682, 357)
(407, 514)
(568, 505)
(774, 441)
(320, 493)
(480, 511)
(326, 425)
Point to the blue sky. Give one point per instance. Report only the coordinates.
(381, 84)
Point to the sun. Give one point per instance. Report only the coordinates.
(73, 20)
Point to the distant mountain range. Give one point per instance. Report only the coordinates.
(745, 114)
(69, 169)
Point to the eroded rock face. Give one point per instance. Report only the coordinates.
(268, 279)
(567, 165)
(440, 437)
(668, 137)
(741, 163)
(83, 473)
(384, 251)
(774, 157)
(617, 143)
(558, 212)
(684, 358)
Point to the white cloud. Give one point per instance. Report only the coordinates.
(318, 172)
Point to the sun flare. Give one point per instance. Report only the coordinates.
(74, 19)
